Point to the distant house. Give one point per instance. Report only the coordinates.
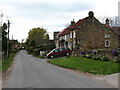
(56, 39)
(88, 34)
(63, 37)
(14, 44)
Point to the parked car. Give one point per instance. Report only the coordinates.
(59, 52)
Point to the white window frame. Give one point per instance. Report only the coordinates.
(65, 37)
(71, 34)
(107, 43)
(107, 35)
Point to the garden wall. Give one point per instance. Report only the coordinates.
(111, 55)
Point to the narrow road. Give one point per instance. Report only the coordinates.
(31, 72)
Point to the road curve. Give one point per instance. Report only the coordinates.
(32, 72)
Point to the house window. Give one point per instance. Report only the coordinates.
(65, 37)
(107, 43)
(107, 35)
(70, 34)
(74, 34)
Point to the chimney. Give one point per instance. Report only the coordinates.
(91, 14)
(107, 21)
(72, 22)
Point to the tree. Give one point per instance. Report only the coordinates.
(4, 38)
(113, 21)
(38, 36)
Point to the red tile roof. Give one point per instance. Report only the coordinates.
(64, 32)
(116, 30)
(75, 26)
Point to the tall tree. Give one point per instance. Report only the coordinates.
(4, 38)
(37, 36)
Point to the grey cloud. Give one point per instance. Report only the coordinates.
(45, 10)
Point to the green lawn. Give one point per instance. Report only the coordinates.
(7, 62)
(87, 65)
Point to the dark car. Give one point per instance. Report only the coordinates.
(59, 52)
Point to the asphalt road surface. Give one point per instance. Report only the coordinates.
(32, 72)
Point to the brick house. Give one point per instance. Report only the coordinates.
(89, 34)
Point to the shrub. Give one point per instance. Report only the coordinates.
(88, 52)
(103, 58)
(83, 55)
(94, 52)
(114, 52)
(98, 58)
(36, 52)
(117, 60)
(82, 52)
(30, 49)
(95, 57)
(88, 56)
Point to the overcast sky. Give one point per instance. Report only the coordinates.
(52, 15)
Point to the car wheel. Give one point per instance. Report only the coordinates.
(68, 54)
(51, 56)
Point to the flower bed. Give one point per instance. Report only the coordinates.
(101, 55)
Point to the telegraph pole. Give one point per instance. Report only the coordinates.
(8, 49)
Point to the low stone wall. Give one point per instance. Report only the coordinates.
(105, 53)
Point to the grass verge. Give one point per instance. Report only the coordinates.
(87, 65)
(6, 63)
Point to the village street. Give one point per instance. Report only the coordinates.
(31, 72)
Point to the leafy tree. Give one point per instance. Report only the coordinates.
(32, 43)
(4, 38)
(37, 36)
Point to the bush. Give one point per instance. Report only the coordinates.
(30, 49)
(96, 57)
(103, 58)
(117, 60)
(88, 52)
(36, 52)
(88, 56)
(83, 55)
(94, 52)
(82, 52)
(114, 52)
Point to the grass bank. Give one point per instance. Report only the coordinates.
(87, 65)
(6, 63)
